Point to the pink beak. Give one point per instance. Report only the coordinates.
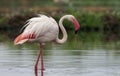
(76, 25)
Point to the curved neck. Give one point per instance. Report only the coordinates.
(61, 41)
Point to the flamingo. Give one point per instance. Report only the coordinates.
(44, 29)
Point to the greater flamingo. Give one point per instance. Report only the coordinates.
(44, 29)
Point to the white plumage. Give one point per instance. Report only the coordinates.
(44, 28)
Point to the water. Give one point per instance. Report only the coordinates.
(59, 61)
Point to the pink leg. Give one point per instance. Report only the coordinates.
(37, 61)
(42, 61)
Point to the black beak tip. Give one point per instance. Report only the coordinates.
(76, 31)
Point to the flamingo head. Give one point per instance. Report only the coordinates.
(75, 22)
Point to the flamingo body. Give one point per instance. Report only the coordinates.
(44, 29)
(39, 29)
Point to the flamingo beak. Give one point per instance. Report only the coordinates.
(76, 25)
(76, 31)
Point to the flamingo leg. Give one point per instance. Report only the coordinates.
(42, 61)
(37, 61)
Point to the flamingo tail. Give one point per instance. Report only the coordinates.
(23, 38)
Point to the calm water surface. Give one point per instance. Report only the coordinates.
(59, 62)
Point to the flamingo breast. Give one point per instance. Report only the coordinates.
(47, 37)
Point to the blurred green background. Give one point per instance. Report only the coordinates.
(99, 20)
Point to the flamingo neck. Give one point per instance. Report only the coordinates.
(64, 39)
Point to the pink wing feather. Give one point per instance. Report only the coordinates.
(23, 38)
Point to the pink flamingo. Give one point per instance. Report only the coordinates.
(44, 29)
